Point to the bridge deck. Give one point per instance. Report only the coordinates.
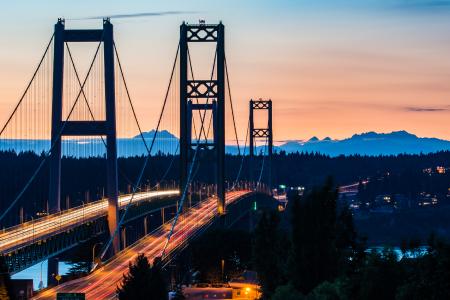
(102, 283)
(27, 233)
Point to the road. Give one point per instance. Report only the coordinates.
(102, 283)
(27, 233)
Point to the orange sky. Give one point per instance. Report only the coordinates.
(330, 70)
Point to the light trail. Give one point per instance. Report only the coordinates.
(27, 233)
(102, 283)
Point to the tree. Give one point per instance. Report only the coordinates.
(142, 281)
(336, 290)
(268, 253)
(287, 292)
(158, 284)
(314, 255)
(234, 247)
(381, 275)
(427, 276)
(5, 280)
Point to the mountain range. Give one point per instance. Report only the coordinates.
(369, 143)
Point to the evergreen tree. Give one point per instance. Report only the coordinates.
(142, 281)
(314, 257)
(158, 284)
(287, 292)
(268, 254)
(380, 276)
(5, 280)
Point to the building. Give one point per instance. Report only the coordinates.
(22, 288)
(245, 287)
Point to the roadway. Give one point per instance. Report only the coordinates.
(28, 233)
(102, 283)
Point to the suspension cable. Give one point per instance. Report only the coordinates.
(129, 98)
(28, 86)
(54, 142)
(263, 162)
(247, 134)
(141, 173)
(89, 107)
(231, 103)
(137, 120)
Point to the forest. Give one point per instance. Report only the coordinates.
(83, 179)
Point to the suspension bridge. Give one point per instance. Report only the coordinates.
(66, 114)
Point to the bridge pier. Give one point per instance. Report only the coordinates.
(52, 271)
(124, 237)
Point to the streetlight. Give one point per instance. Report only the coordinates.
(32, 232)
(82, 211)
(93, 253)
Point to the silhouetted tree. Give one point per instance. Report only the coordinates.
(268, 253)
(143, 281)
(381, 275)
(314, 255)
(287, 292)
(158, 284)
(232, 246)
(427, 277)
(5, 280)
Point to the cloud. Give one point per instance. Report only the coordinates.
(138, 15)
(427, 109)
(422, 4)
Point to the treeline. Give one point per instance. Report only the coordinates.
(83, 179)
(414, 184)
(321, 257)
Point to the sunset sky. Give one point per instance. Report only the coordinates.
(330, 69)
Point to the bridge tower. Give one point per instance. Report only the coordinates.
(105, 127)
(265, 132)
(202, 91)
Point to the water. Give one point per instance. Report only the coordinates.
(420, 251)
(79, 148)
(39, 271)
(92, 147)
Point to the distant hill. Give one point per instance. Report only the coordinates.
(369, 143)
(163, 134)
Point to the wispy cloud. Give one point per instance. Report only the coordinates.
(422, 4)
(426, 109)
(138, 15)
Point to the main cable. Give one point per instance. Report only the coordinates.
(231, 103)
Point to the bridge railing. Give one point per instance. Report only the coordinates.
(35, 229)
(32, 231)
